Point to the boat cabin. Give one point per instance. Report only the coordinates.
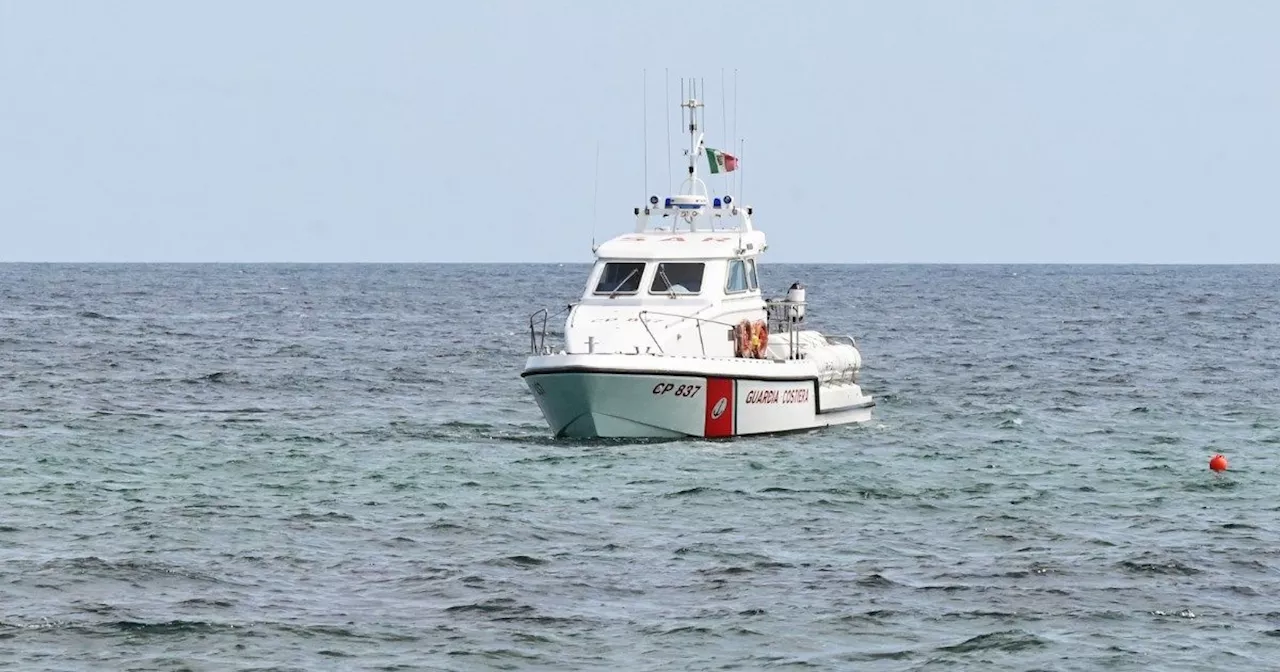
(673, 289)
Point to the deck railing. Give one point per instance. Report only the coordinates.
(781, 320)
(538, 340)
(538, 330)
(702, 343)
(784, 316)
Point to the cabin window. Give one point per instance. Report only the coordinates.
(737, 281)
(677, 278)
(751, 275)
(620, 277)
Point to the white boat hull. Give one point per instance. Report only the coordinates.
(618, 396)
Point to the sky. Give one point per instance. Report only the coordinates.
(408, 131)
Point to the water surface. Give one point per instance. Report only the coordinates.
(337, 467)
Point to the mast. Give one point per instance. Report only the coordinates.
(695, 141)
(694, 203)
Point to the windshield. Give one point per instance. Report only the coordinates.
(737, 280)
(677, 278)
(620, 277)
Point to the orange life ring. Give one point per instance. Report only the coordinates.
(760, 339)
(742, 339)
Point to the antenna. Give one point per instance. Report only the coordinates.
(645, 105)
(595, 198)
(724, 122)
(666, 90)
(682, 99)
(741, 158)
(735, 126)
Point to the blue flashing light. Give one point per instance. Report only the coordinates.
(668, 202)
(716, 203)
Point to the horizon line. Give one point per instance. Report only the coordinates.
(592, 261)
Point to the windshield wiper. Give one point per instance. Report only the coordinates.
(667, 280)
(620, 284)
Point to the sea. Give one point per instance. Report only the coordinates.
(337, 467)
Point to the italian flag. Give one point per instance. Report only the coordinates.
(721, 162)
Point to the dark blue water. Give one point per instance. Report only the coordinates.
(337, 467)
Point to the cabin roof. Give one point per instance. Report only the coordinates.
(658, 245)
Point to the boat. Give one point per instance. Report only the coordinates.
(673, 337)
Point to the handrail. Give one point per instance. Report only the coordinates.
(783, 318)
(781, 312)
(536, 342)
(649, 331)
(688, 317)
(840, 338)
(699, 320)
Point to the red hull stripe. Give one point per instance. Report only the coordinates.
(719, 414)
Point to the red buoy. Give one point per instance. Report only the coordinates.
(1218, 463)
